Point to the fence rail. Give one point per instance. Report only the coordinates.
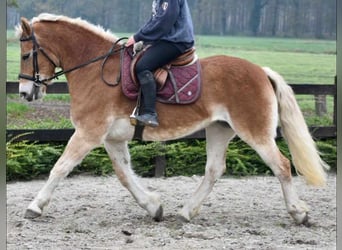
(61, 135)
(12, 87)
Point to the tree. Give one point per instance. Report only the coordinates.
(284, 18)
(256, 15)
(12, 3)
(275, 21)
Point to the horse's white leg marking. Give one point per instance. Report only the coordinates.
(218, 136)
(119, 154)
(295, 207)
(74, 153)
(281, 168)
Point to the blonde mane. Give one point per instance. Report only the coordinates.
(96, 29)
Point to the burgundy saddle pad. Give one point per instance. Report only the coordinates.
(183, 84)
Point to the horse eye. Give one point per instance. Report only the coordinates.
(26, 56)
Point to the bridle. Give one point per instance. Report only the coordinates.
(36, 78)
(36, 75)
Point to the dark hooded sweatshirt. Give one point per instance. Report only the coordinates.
(170, 21)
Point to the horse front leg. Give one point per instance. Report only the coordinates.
(218, 136)
(76, 149)
(119, 154)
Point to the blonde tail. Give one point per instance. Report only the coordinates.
(305, 155)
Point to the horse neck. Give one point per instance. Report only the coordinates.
(73, 45)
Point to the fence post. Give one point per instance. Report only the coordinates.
(160, 162)
(321, 104)
(335, 103)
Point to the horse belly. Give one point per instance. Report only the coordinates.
(176, 125)
(234, 91)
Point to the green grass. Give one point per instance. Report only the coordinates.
(17, 109)
(49, 123)
(268, 44)
(13, 57)
(39, 123)
(298, 60)
(57, 97)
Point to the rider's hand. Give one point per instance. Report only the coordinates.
(130, 41)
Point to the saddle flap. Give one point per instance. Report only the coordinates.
(161, 75)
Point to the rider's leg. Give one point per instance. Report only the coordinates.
(148, 115)
(158, 55)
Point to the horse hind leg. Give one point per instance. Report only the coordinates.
(281, 168)
(218, 136)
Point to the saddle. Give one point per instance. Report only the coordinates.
(161, 74)
(177, 82)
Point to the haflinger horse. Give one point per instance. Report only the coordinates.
(238, 98)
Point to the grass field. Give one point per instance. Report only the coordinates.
(298, 60)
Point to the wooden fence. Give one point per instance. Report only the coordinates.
(320, 91)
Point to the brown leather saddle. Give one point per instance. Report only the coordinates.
(161, 74)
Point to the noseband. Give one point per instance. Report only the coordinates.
(36, 75)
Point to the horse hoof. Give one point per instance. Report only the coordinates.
(182, 218)
(302, 219)
(30, 214)
(159, 214)
(306, 222)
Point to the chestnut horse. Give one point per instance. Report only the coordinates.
(238, 98)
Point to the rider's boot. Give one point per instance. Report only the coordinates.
(148, 115)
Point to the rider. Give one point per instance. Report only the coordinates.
(170, 32)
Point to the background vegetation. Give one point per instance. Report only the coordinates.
(280, 18)
(27, 161)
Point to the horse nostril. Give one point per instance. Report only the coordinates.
(26, 96)
(23, 95)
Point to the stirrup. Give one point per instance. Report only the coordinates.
(132, 118)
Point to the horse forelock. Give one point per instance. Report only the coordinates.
(96, 29)
(18, 31)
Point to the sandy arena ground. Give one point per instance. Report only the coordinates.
(89, 212)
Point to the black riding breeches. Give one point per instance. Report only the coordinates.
(158, 55)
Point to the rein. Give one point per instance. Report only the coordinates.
(36, 75)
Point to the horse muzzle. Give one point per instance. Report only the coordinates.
(30, 91)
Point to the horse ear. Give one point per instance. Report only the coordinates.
(25, 25)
